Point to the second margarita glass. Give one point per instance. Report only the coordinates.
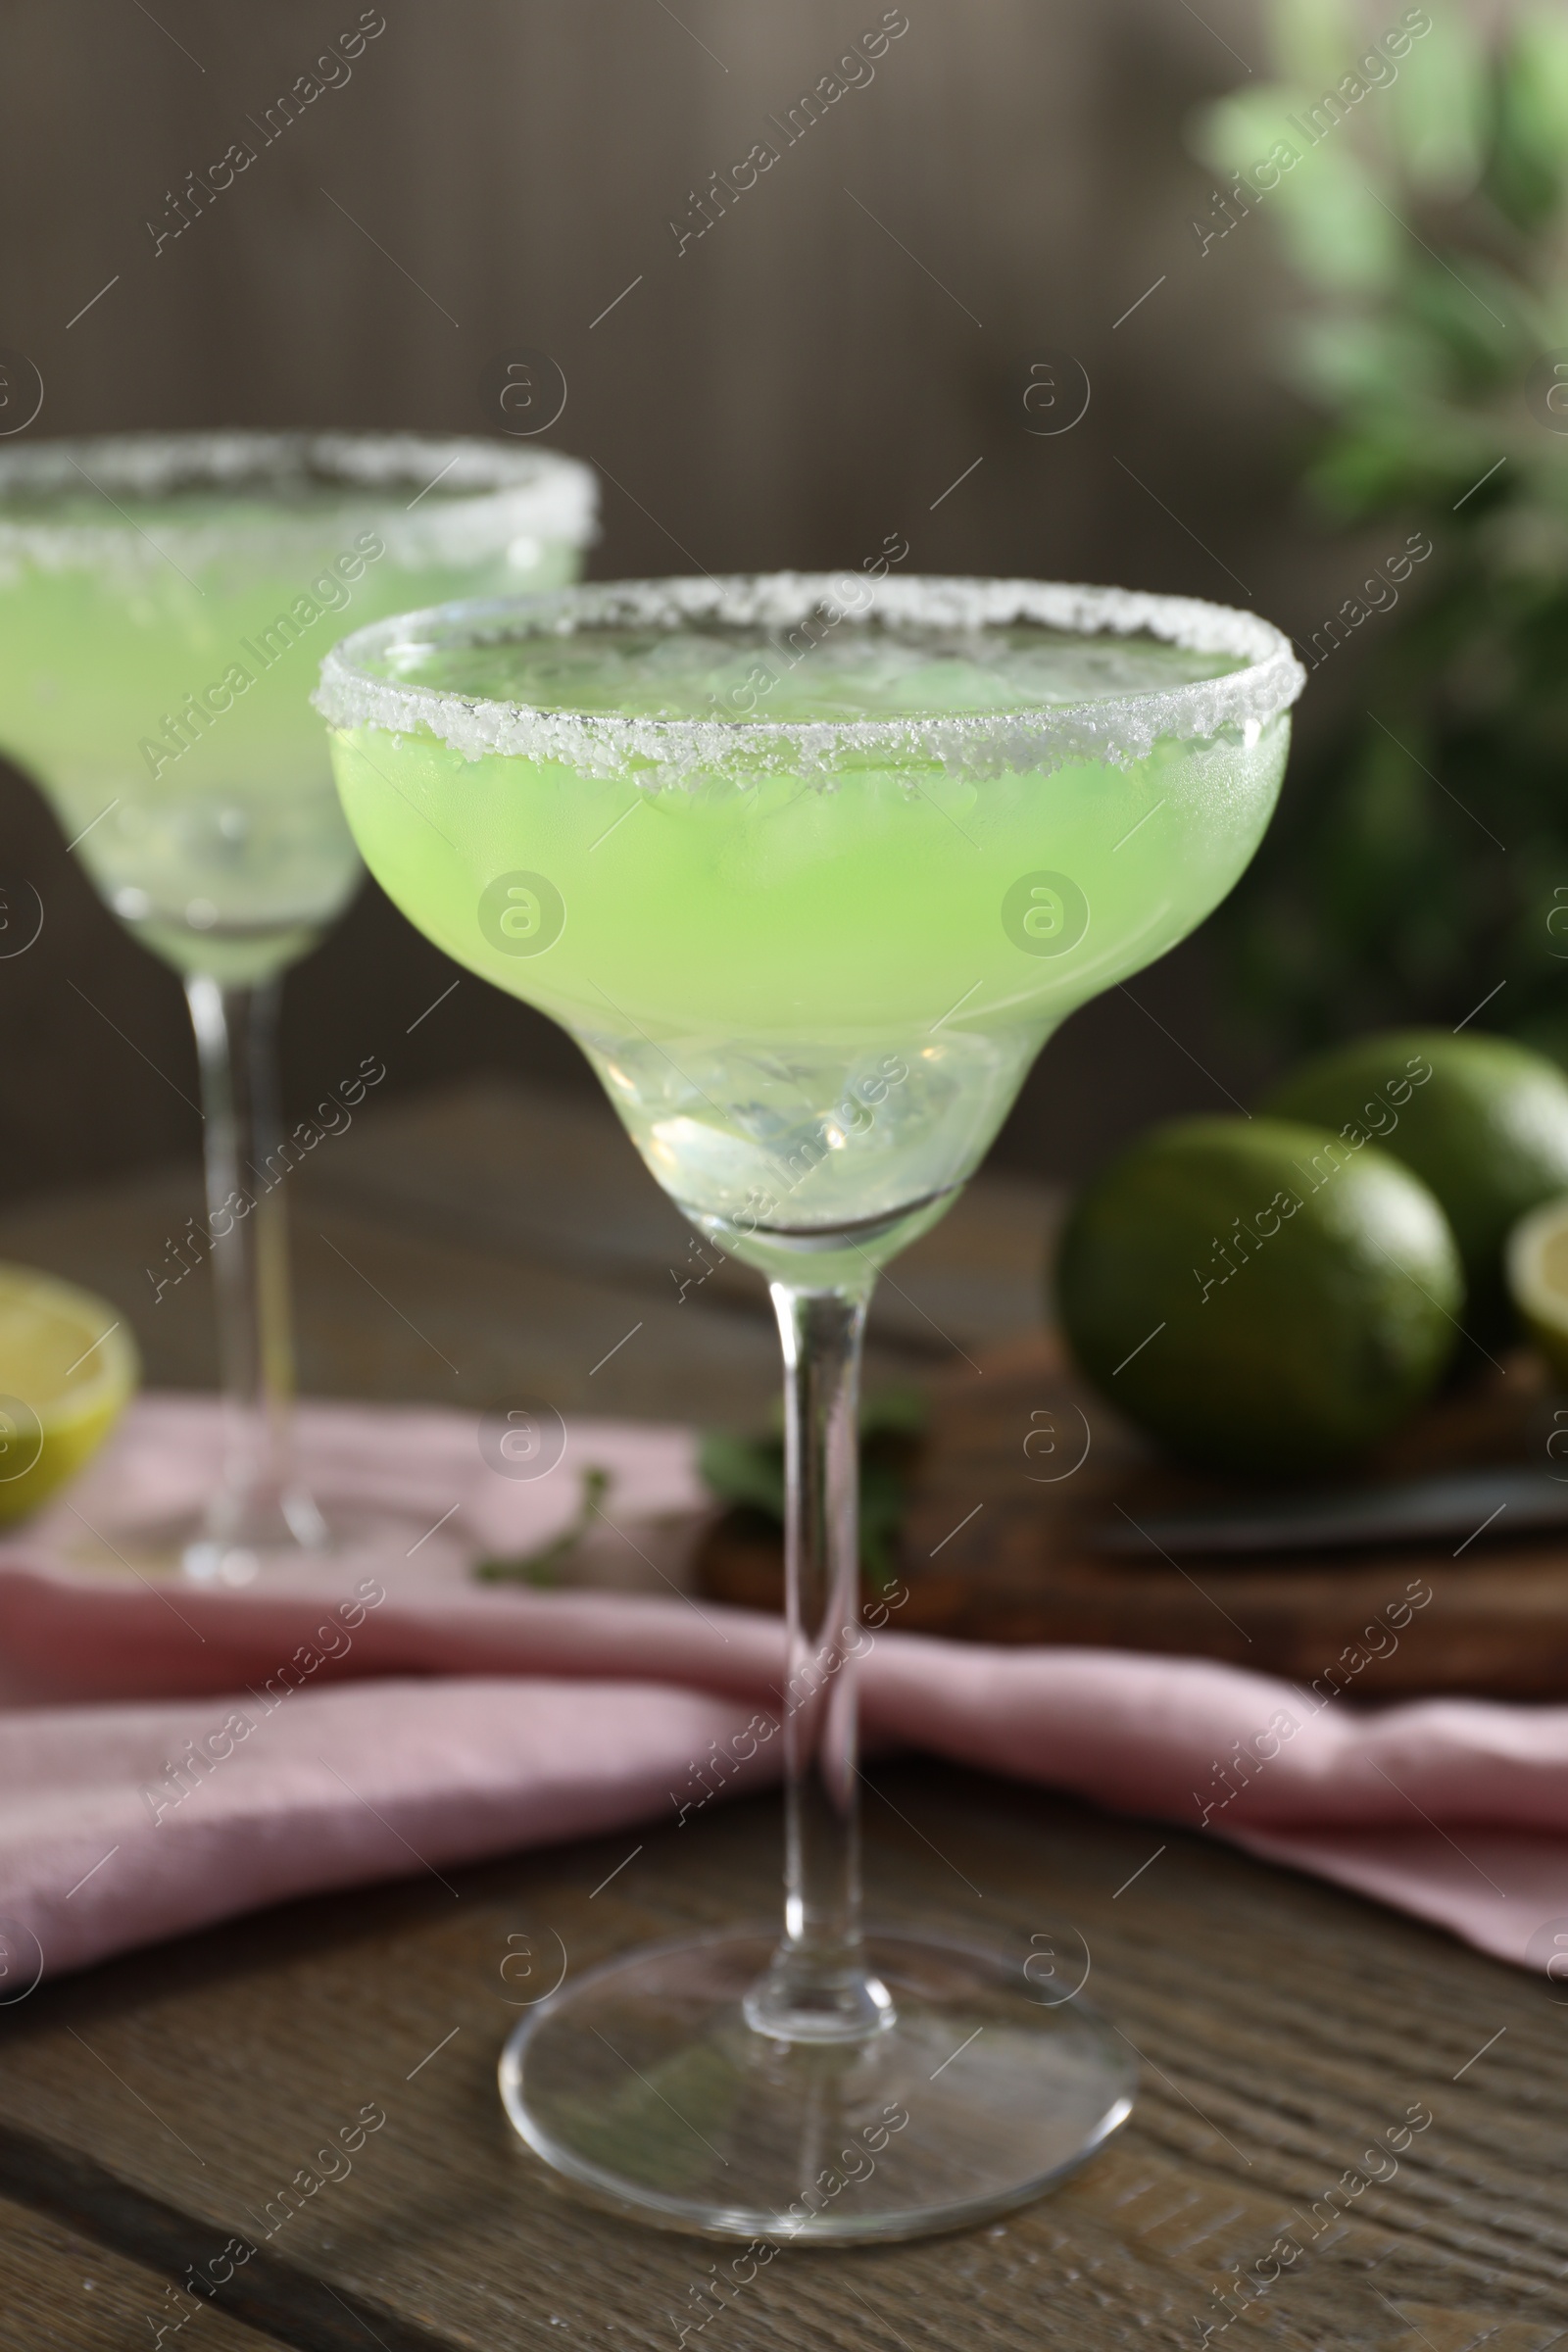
(164, 603)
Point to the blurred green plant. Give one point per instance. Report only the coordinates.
(1421, 193)
(748, 1473)
(543, 1568)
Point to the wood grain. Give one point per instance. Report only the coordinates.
(1283, 2026)
(157, 2106)
(63, 2292)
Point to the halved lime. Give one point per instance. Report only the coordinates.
(68, 1367)
(1537, 1262)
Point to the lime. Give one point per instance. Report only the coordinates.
(68, 1366)
(1482, 1120)
(1259, 1294)
(1537, 1262)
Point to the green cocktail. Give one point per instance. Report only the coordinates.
(811, 967)
(164, 603)
(165, 600)
(811, 869)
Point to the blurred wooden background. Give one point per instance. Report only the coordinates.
(842, 356)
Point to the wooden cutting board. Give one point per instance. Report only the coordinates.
(1023, 1462)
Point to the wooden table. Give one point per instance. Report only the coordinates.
(154, 2108)
(456, 1245)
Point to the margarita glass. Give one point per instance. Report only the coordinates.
(164, 603)
(811, 867)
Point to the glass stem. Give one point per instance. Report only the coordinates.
(818, 1987)
(259, 1503)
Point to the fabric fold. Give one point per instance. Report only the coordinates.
(172, 1756)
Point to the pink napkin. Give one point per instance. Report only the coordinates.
(172, 1755)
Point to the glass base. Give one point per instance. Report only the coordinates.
(647, 2088)
(209, 1549)
(244, 1534)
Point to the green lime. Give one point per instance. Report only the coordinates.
(1479, 1119)
(68, 1367)
(1259, 1294)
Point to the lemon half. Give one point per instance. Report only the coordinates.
(68, 1367)
(1538, 1278)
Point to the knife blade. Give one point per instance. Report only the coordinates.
(1463, 1506)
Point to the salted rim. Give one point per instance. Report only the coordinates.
(488, 494)
(658, 751)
